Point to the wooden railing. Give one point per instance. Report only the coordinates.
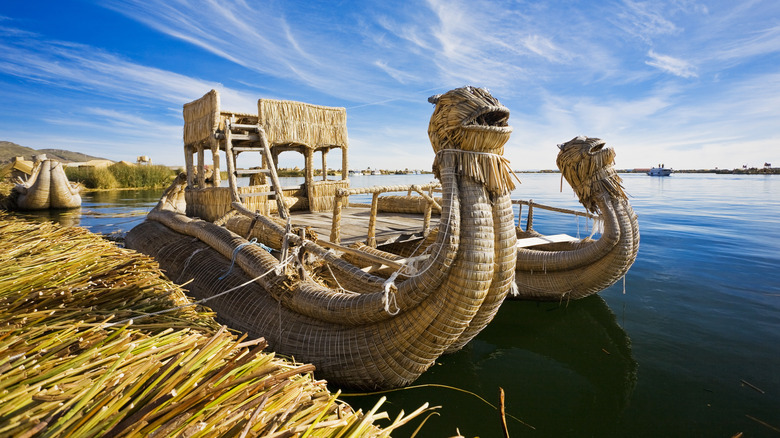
(375, 192)
(531, 205)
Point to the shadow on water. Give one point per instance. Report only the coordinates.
(565, 368)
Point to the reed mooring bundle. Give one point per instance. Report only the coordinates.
(82, 356)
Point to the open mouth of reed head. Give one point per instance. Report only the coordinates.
(492, 118)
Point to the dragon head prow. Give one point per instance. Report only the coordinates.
(471, 122)
(587, 164)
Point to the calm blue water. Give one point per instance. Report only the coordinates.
(700, 315)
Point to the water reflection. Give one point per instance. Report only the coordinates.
(106, 212)
(564, 368)
(67, 218)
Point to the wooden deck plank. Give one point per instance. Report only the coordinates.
(354, 224)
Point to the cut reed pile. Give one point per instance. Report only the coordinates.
(73, 363)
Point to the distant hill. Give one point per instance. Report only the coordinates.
(9, 150)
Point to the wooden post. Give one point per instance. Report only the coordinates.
(281, 206)
(529, 223)
(344, 164)
(324, 165)
(201, 171)
(216, 177)
(231, 166)
(519, 213)
(371, 240)
(335, 228)
(188, 163)
(427, 218)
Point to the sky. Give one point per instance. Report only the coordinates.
(690, 84)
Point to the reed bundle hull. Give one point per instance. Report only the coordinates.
(47, 187)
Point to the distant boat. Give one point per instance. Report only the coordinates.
(659, 171)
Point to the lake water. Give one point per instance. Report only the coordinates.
(673, 351)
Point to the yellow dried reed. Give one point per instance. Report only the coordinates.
(67, 371)
(288, 122)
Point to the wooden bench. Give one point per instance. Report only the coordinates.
(543, 240)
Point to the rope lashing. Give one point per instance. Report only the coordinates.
(389, 295)
(238, 248)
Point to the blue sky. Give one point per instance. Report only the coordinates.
(691, 84)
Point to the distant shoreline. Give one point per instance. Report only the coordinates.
(749, 171)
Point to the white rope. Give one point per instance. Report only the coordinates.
(389, 296)
(194, 303)
(187, 263)
(235, 251)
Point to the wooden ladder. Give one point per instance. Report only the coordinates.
(251, 138)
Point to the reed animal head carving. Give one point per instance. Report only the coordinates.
(474, 123)
(587, 165)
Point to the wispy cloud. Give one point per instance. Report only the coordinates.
(675, 66)
(645, 19)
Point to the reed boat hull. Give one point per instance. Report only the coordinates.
(574, 270)
(308, 297)
(48, 187)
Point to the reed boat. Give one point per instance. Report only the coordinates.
(371, 294)
(561, 267)
(47, 187)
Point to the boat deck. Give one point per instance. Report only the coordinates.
(354, 224)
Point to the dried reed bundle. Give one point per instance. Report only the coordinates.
(403, 204)
(68, 371)
(212, 203)
(322, 193)
(288, 122)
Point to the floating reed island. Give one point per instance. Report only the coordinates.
(372, 300)
(95, 341)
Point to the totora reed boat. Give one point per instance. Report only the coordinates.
(370, 311)
(560, 267)
(47, 187)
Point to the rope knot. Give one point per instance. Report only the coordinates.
(389, 295)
